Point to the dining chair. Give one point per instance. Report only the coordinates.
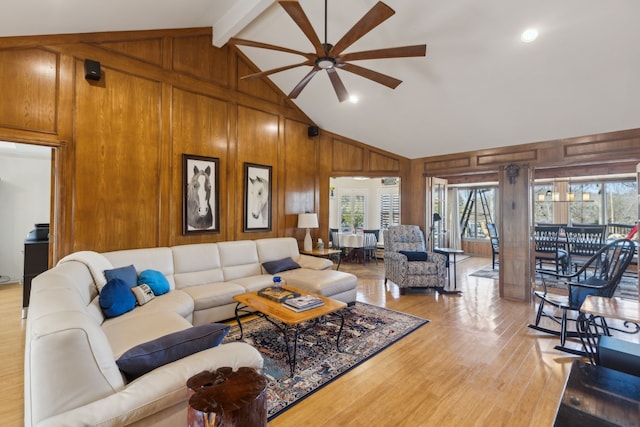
(370, 246)
(495, 243)
(548, 248)
(335, 244)
(583, 242)
(602, 271)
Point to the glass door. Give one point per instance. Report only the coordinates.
(436, 213)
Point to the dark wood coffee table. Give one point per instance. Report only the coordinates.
(289, 322)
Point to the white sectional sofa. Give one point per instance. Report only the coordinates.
(71, 375)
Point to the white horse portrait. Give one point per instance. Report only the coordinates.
(258, 197)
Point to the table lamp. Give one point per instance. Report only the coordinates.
(308, 220)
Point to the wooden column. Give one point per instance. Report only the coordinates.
(514, 224)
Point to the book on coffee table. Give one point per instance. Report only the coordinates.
(302, 303)
(277, 294)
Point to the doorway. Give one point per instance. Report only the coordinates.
(364, 203)
(25, 200)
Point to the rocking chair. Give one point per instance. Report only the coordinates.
(603, 272)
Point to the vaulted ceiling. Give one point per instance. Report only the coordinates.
(478, 87)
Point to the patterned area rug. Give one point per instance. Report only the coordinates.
(367, 331)
(628, 287)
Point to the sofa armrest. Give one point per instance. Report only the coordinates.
(161, 388)
(314, 263)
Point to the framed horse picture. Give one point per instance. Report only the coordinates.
(200, 194)
(257, 197)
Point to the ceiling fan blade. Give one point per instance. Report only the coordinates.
(274, 70)
(338, 86)
(379, 13)
(293, 8)
(392, 52)
(301, 85)
(377, 77)
(250, 43)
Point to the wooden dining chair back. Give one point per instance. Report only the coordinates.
(602, 274)
(583, 242)
(495, 243)
(548, 248)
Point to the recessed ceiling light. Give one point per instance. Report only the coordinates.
(529, 35)
(353, 99)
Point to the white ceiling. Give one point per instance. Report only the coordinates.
(478, 87)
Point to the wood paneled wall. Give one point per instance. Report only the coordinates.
(119, 141)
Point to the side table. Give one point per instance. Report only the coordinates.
(448, 252)
(324, 253)
(598, 396)
(227, 398)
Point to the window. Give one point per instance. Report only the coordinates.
(620, 202)
(352, 212)
(477, 208)
(389, 210)
(581, 211)
(543, 212)
(586, 202)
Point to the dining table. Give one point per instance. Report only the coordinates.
(351, 240)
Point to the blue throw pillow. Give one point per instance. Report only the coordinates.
(414, 255)
(156, 281)
(127, 274)
(116, 298)
(147, 356)
(279, 265)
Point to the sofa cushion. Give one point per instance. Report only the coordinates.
(415, 255)
(127, 274)
(143, 293)
(279, 265)
(116, 298)
(149, 355)
(156, 281)
(323, 282)
(213, 294)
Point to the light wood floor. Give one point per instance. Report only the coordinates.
(475, 364)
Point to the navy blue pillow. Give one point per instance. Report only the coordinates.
(116, 298)
(156, 281)
(128, 274)
(150, 355)
(414, 255)
(279, 265)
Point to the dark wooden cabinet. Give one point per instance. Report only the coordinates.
(36, 260)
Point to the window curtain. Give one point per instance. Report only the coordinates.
(453, 219)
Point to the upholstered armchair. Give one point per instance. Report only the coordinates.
(407, 262)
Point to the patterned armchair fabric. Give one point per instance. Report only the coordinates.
(409, 274)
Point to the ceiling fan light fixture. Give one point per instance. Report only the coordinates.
(325, 62)
(529, 35)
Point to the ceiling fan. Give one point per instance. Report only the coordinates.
(331, 57)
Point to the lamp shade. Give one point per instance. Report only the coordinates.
(307, 220)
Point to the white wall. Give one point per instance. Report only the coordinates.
(25, 187)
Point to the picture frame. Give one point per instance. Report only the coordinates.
(200, 194)
(257, 197)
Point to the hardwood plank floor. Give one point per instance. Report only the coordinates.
(475, 364)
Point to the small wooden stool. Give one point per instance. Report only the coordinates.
(224, 398)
